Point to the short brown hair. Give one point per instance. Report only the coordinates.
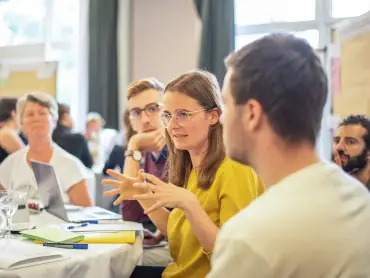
(62, 110)
(142, 85)
(203, 87)
(284, 74)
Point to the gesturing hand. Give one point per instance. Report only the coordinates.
(124, 186)
(164, 194)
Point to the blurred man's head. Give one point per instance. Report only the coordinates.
(275, 90)
(352, 143)
(64, 118)
(144, 102)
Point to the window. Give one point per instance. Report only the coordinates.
(22, 22)
(65, 19)
(309, 19)
(268, 11)
(55, 29)
(312, 36)
(345, 8)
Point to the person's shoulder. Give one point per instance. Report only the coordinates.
(15, 156)
(118, 148)
(235, 170)
(61, 155)
(247, 224)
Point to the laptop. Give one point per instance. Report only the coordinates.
(53, 202)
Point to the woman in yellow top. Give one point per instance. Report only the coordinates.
(205, 188)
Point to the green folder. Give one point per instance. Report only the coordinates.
(52, 234)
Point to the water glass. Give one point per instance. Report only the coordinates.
(8, 207)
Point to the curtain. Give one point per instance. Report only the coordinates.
(218, 34)
(103, 68)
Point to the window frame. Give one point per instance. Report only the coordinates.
(323, 23)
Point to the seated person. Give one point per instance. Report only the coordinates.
(146, 149)
(10, 140)
(38, 113)
(74, 143)
(351, 147)
(205, 187)
(116, 157)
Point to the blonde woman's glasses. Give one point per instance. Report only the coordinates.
(181, 117)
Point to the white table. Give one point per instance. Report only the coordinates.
(100, 260)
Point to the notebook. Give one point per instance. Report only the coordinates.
(17, 254)
(121, 237)
(126, 226)
(52, 234)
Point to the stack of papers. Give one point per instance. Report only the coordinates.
(17, 254)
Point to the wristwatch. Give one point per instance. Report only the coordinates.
(136, 155)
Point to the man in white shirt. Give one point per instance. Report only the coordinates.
(313, 220)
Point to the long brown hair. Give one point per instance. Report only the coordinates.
(203, 87)
(129, 131)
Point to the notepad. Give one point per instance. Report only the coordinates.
(121, 237)
(17, 254)
(52, 234)
(126, 226)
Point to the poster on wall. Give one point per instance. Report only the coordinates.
(16, 79)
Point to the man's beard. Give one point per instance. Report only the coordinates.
(355, 164)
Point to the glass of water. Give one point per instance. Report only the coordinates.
(8, 207)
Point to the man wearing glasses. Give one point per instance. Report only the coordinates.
(147, 150)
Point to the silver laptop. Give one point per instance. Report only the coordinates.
(53, 202)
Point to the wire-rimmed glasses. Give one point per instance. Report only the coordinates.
(181, 117)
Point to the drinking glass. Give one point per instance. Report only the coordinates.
(8, 207)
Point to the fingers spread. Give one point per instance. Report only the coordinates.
(145, 185)
(119, 200)
(152, 179)
(111, 182)
(119, 176)
(111, 192)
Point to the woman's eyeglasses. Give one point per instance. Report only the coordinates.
(150, 110)
(181, 117)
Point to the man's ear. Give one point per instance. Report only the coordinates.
(252, 114)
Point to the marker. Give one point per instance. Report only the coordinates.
(77, 226)
(67, 245)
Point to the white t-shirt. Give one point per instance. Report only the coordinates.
(314, 223)
(17, 174)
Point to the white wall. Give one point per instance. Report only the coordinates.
(165, 38)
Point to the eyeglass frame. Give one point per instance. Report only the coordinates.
(189, 113)
(140, 110)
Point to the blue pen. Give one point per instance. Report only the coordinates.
(93, 221)
(67, 245)
(77, 226)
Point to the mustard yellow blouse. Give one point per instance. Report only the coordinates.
(234, 187)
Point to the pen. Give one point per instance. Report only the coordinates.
(104, 221)
(77, 226)
(67, 245)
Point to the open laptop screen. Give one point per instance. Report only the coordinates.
(49, 189)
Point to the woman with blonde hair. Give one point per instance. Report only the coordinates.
(205, 187)
(37, 114)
